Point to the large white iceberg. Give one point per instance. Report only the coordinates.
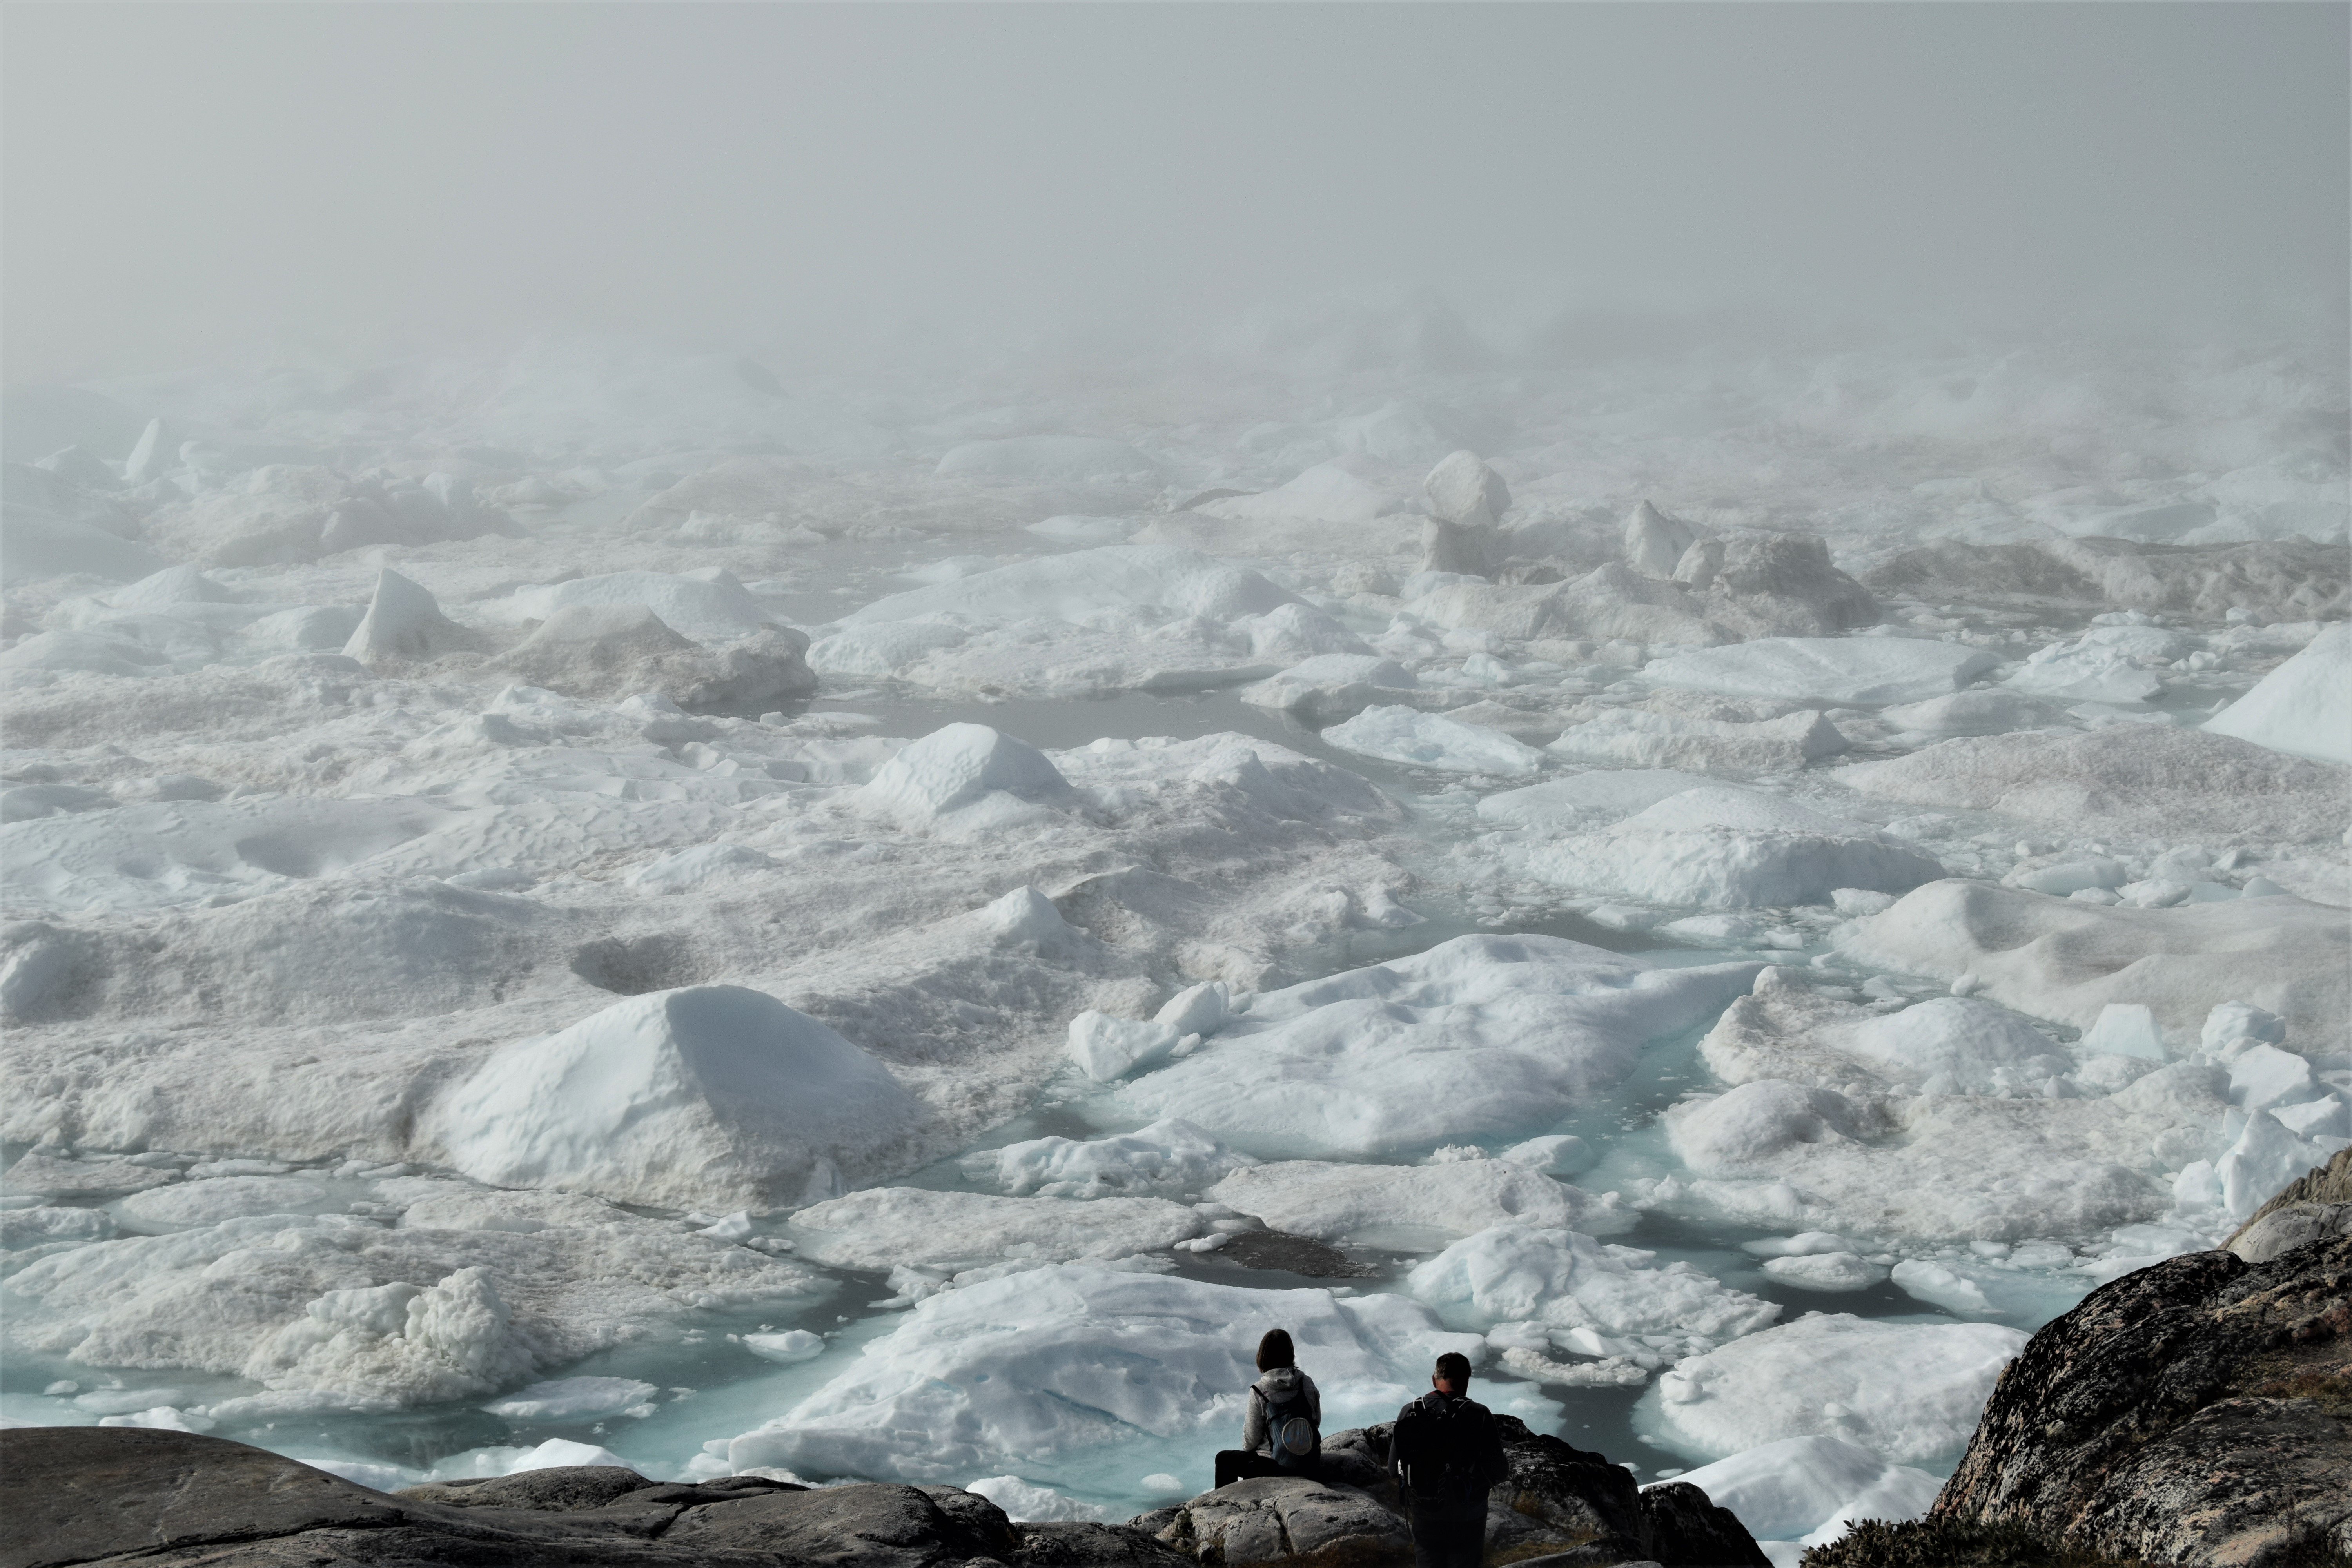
(1399, 734)
(2304, 707)
(1909, 1392)
(1809, 1488)
(709, 1094)
(1085, 583)
(1477, 1037)
(1722, 846)
(1080, 1376)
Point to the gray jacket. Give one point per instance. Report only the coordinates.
(1282, 1383)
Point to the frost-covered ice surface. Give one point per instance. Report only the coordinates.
(604, 906)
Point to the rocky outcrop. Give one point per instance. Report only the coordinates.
(174, 1500)
(1559, 1503)
(2314, 1207)
(2197, 1412)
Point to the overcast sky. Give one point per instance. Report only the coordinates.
(191, 183)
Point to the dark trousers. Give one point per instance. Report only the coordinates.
(1448, 1541)
(1243, 1465)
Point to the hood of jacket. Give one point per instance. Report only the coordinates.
(1282, 1383)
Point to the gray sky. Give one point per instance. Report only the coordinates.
(191, 183)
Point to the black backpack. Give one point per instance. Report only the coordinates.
(1440, 1457)
(1290, 1429)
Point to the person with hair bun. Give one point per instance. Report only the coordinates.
(1282, 1432)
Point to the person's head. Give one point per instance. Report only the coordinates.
(1452, 1375)
(1275, 1350)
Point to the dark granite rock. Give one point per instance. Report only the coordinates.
(2195, 1412)
(176, 1499)
(1559, 1505)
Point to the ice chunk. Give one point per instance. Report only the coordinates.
(1081, 1375)
(884, 647)
(2086, 672)
(1104, 1048)
(1084, 583)
(1399, 734)
(1412, 1209)
(156, 454)
(616, 650)
(706, 608)
(1587, 800)
(1825, 1271)
(1963, 713)
(403, 621)
(959, 767)
(1967, 1040)
(2140, 780)
(1736, 1133)
(1023, 1501)
(1644, 740)
(1563, 1279)
(790, 1347)
(574, 1399)
(2265, 1158)
(2067, 959)
(1862, 672)
(1048, 457)
(1331, 685)
(1931, 1282)
(556, 1453)
(1721, 846)
(1327, 492)
(1911, 1392)
(1168, 1156)
(1787, 1490)
(1655, 542)
(2241, 1021)
(1462, 488)
(1558, 1154)
(419, 1344)
(1481, 1035)
(883, 1227)
(2304, 707)
(227, 1197)
(711, 1096)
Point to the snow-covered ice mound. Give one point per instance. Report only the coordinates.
(2136, 779)
(1480, 1036)
(1169, 1157)
(404, 621)
(883, 648)
(1331, 685)
(2304, 707)
(1566, 1281)
(1414, 1208)
(1085, 583)
(1079, 1377)
(618, 650)
(1842, 671)
(1399, 734)
(1808, 1489)
(711, 1096)
(1586, 800)
(1328, 492)
(2067, 959)
(883, 1227)
(1909, 1392)
(708, 606)
(967, 775)
(1721, 846)
(472, 1291)
(1635, 739)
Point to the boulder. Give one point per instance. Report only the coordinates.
(79, 1494)
(1559, 1503)
(2191, 1413)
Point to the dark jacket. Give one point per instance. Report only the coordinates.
(1430, 1430)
